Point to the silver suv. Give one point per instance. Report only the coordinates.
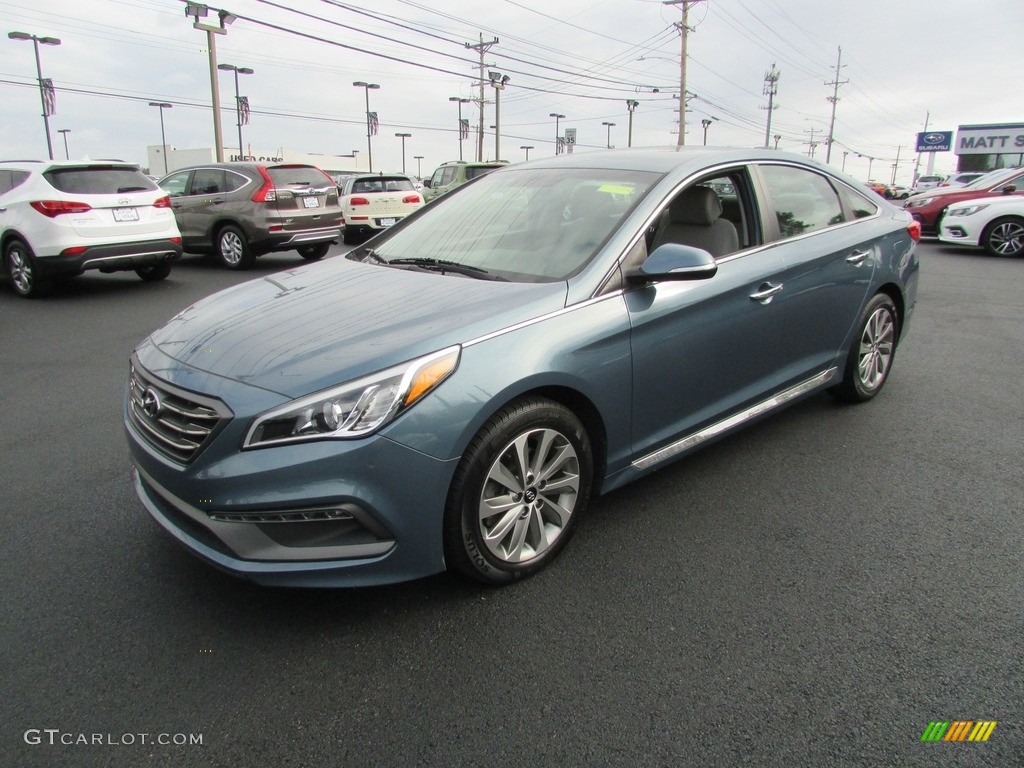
(238, 211)
(60, 218)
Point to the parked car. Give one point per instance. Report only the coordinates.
(454, 393)
(926, 182)
(61, 218)
(879, 188)
(896, 192)
(239, 211)
(454, 174)
(960, 179)
(995, 223)
(929, 206)
(372, 202)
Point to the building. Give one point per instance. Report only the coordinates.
(181, 158)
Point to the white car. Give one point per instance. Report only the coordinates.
(372, 202)
(994, 223)
(961, 179)
(61, 218)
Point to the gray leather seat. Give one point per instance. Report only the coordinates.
(694, 219)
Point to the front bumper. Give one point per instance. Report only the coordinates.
(326, 513)
(111, 258)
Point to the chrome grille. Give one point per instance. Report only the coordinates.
(175, 422)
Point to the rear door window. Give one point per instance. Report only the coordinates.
(99, 180)
(804, 201)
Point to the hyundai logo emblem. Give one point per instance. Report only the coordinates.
(934, 138)
(151, 403)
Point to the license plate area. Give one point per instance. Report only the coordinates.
(311, 202)
(387, 222)
(126, 214)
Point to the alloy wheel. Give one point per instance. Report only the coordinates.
(876, 347)
(231, 247)
(20, 269)
(529, 494)
(1007, 238)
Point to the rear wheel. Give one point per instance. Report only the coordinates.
(518, 492)
(314, 252)
(21, 268)
(1004, 237)
(233, 248)
(348, 236)
(154, 272)
(870, 358)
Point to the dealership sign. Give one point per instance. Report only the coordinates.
(990, 139)
(935, 141)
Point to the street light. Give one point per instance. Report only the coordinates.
(705, 123)
(403, 137)
(163, 139)
(419, 168)
(198, 11)
(369, 129)
(777, 137)
(238, 101)
(460, 102)
(527, 148)
(610, 125)
(65, 132)
(498, 81)
(557, 118)
(39, 78)
(631, 105)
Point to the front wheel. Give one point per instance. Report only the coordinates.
(517, 493)
(314, 252)
(233, 248)
(870, 358)
(1004, 237)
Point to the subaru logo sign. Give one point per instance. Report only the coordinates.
(935, 141)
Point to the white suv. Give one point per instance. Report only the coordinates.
(60, 218)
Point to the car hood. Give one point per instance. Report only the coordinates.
(299, 331)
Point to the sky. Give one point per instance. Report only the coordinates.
(902, 62)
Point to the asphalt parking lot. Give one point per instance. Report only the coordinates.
(813, 591)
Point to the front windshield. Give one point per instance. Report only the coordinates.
(525, 225)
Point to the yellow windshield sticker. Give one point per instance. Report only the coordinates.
(616, 189)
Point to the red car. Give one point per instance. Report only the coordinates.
(929, 206)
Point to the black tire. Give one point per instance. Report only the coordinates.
(154, 272)
(871, 353)
(1004, 236)
(232, 248)
(533, 521)
(348, 236)
(314, 252)
(22, 270)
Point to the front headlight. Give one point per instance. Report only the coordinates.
(967, 210)
(918, 203)
(354, 409)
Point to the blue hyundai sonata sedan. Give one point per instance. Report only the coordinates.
(452, 394)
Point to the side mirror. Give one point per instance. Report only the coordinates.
(1009, 189)
(426, 183)
(672, 261)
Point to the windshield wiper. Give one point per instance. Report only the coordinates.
(442, 265)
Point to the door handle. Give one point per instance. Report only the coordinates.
(857, 257)
(765, 292)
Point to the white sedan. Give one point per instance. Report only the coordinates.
(994, 223)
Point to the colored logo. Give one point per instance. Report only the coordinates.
(958, 730)
(934, 138)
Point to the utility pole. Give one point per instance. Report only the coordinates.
(896, 165)
(684, 31)
(812, 143)
(631, 105)
(834, 98)
(771, 87)
(482, 48)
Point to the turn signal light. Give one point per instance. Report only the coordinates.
(411, 199)
(163, 202)
(358, 201)
(914, 228)
(267, 193)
